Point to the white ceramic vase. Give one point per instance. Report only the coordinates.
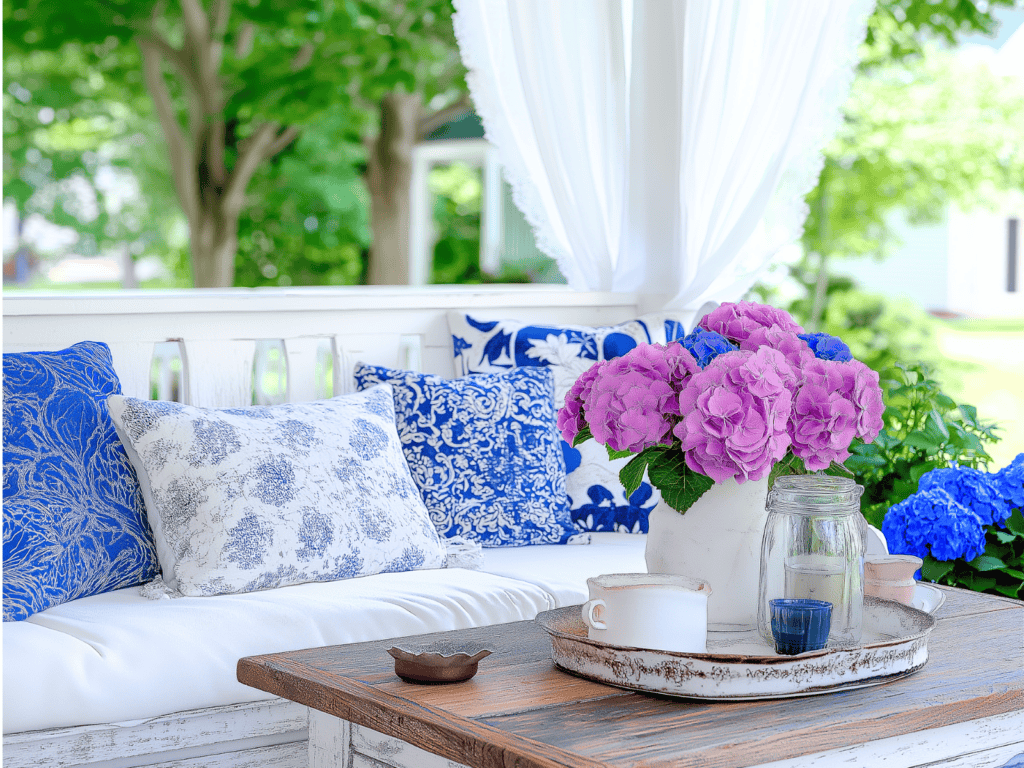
(717, 540)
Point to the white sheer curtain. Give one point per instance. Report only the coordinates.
(662, 146)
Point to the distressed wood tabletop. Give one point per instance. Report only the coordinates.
(520, 709)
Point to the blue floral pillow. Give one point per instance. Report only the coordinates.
(244, 499)
(484, 452)
(74, 519)
(597, 498)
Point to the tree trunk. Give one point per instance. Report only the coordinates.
(820, 295)
(389, 179)
(213, 245)
(129, 279)
(211, 197)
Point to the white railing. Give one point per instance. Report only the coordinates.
(239, 346)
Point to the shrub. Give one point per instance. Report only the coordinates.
(967, 526)
(924, 429)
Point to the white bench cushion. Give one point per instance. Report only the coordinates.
(121, 657)
(563, 571)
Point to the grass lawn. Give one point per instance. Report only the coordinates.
(993, 379)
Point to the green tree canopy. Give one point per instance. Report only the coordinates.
(232, 84)
(917, 136)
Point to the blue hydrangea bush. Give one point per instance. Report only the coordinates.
(966, 524)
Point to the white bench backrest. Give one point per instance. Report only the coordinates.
(218, 333)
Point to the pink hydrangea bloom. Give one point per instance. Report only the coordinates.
(627, 406)
(824, 418)
(571, 416)
(867, 398)
(737, 321)
(681, 365)
(735, 415)
(794, 349)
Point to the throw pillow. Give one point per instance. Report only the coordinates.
(74, 519)
(484, 452)
(243, 499)
(597, 498)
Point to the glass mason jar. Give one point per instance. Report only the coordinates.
(813, 547)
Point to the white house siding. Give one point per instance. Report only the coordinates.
(918, 269)
(978, 264)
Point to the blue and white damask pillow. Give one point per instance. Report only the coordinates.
(597, 498)
(74, 520)
(484, 452)
(243, 499)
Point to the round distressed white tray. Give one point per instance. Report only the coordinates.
(740, 666)
(927, 598)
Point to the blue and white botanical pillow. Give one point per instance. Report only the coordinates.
(597, 498)
(74, 520)
(243, 499)
(484, 452)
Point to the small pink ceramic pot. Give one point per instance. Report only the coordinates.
(891, 577)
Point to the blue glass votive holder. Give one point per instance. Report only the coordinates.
(800, 625)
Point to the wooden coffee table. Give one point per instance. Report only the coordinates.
(520, 710)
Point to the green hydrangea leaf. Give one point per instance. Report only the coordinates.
(919, 470)
(887, 441)
(996, 549)
(986, 563)
(970, 414)
(981, 583)
(838, 470)
(938, 422)
(582, 436)
(1005, 536)
(1015, 522)
(613, 454)
(924, 441)
(789, 465)
(1010, 590)
(864, 449)
(632, 474)
(933, 569)
(863, 464)
(680, 486)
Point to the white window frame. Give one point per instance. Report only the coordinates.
(426, 155)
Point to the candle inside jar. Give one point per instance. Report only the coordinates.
(816, 578)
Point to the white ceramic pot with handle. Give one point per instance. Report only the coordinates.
(663, 612)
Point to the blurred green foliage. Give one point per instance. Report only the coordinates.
(77, 133)
(923, 429)
(879, 330)
(898, 28)
(309, 222)
(457, 191)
